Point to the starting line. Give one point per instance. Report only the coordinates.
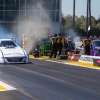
(5, 87)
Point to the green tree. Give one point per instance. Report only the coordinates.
(80, 25)
(67, 23)
(93, 21)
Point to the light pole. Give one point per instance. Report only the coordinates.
(88, 22)
(74, 14)
(90, 14)
(87, 19)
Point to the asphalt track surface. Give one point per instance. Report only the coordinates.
(46, 80)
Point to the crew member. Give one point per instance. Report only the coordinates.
(63, 42)
(87, 43)
(59, 43)
(54, 46)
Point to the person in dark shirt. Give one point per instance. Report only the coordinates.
(87, 43)
(53, 46)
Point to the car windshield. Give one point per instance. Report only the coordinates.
(97, 43)
(7, 44)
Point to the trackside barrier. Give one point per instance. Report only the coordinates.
(62, 57)
(96, 62)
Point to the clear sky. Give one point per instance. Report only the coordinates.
(81, 5)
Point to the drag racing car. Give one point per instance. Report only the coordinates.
(10, 52)
(95, 50)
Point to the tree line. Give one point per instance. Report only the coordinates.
(80, 25)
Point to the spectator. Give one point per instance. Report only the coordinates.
(69, 44)
(99, 38)
(94, 38)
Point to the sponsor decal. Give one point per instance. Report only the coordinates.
(98, 61)
(89, 59)
(13, 54)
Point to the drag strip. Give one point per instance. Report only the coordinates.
(74, 63)
(45, 80)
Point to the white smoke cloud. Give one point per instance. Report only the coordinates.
(4, 33)
(24, 27)
(73, 35)
(34, 29)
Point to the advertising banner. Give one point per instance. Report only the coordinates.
(87, 58)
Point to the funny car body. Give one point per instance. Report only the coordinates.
(10, 52)
(95, 50)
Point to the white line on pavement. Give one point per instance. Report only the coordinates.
(6, 86)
